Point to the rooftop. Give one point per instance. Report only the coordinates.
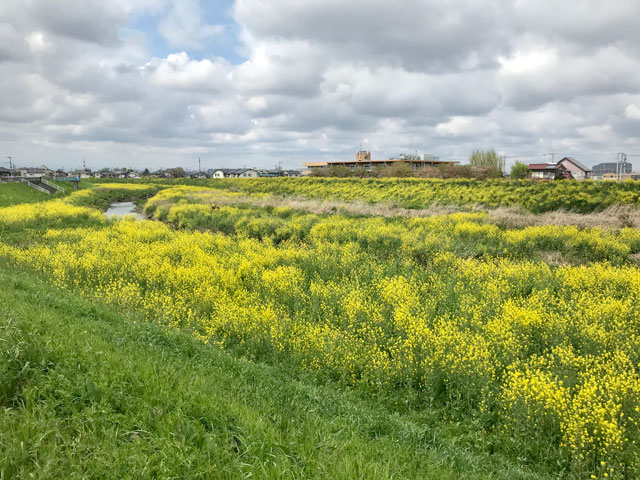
(577, 164)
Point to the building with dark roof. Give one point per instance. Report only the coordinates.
(363, 160)
(568, 168)
(614, 168)
(548, 171)
(578, 170)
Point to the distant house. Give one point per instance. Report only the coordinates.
(235, 173)
(548, 171)
(577, 169)
(161, 174)
(200, 175)
(30, 172)
(5, 172)
(280, 173)
(106, 174)
(80, 174)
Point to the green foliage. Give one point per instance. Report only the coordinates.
(488, 159)
(88, 392)
(15, 193)
(177, 172)
(397, 170)
(459, 171)
(389, 307)
(332, 171)
(450, 316)
(536, 197)
(519, 171)
(101, 196)
(466, 235)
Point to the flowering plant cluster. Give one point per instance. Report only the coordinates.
(465, 313)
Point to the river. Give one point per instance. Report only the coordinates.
(120, 209)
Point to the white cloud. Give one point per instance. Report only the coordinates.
(470, 127)
(178, 71)
(183, 26)
(528, 62)
(37, 42)
(319, 78)
(632, 112)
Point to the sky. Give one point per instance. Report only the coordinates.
(162, 83)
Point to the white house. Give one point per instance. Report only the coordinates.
(33, 172)
(235, 173)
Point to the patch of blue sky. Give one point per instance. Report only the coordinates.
(214, 12)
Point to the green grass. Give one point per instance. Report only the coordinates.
(15, 193)
(86, 392)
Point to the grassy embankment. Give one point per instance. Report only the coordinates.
(86, 392)
(18, 193)
(459, 350)
(93, 195)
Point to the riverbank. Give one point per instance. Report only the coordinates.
(148, 402)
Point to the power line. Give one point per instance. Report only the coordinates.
(525, 156)
(595, 154)
(572, 154)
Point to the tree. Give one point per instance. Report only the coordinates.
(145, 172)
(400, 170)
(331, 171)
(177, 172)
(519, 170)
(488, 159)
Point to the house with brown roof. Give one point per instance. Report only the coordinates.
(578, 170)
(568, 167)
(548, 171)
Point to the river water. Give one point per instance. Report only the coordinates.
(120, 209)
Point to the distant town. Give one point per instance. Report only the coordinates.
(177, 172)
(565, 168)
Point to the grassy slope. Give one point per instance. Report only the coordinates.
(14, 193)
(86, 392)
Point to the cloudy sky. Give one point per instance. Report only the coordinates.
(152, 83)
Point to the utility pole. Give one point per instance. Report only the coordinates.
(199, 167)
(620, 164)
(10, 164)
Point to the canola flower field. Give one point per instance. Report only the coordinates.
(537, 197)
(534, 331)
